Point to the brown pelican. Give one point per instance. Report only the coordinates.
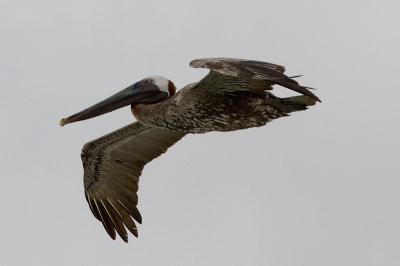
(234, 95)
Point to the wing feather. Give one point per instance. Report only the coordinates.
(115, 219)
(255, 76)
(112, 167)
(93, 208)
(125, 217)
(105, 219)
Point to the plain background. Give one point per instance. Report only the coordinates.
(320, 187)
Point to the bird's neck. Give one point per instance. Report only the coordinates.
(151, 114)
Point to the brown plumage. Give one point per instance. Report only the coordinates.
(234, 95)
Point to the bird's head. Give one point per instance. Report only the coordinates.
(149, 90)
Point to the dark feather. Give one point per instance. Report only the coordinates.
(105, 219)
(250, 70)
(125, 217)
(112, 166)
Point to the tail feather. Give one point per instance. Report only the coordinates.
(304, 100)
(297, 103)
(290, 104)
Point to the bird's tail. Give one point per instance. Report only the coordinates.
(290, 104)
(303, 100)
(296, 103)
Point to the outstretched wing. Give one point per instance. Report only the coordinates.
(254, 76)
(112, 166)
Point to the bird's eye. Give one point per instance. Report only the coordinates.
(146, 81)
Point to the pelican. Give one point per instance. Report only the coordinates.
(234, 95)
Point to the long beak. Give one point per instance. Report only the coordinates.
(135, 93)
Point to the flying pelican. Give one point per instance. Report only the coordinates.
(234, 95)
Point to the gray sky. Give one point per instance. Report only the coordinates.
(321, 187)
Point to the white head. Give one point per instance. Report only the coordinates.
(164, 84)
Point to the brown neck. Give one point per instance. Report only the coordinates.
(150, 114)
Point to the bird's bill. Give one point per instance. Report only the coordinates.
(136, 93)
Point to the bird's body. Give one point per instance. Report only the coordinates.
(233, 96)
(220, 112)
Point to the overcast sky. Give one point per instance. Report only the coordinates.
(320, 187)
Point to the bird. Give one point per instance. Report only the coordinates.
(234, 95)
